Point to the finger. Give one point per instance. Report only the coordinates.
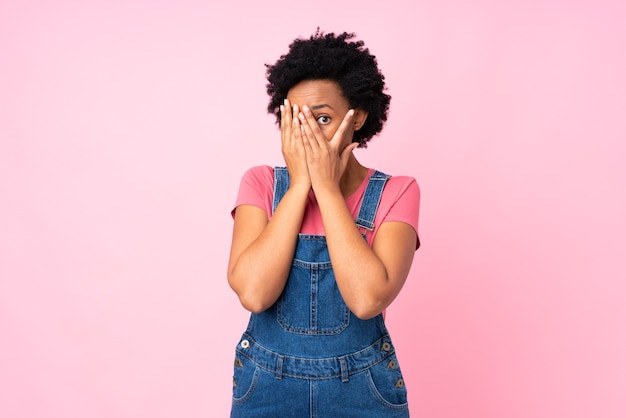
(315, 127)
(307, 134)
(285, 118)
(308, 137)
(312, 133)
(283, 125)
(294, 110)
(347, 151)
(346, 123)
(304, 137)
(285, 113)
(296, 126)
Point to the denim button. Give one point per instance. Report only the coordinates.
(245, 344)
(399, 383)
(386, 346)
(392, 365)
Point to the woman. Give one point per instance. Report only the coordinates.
(322, 246)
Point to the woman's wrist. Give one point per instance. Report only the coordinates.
(300, 186)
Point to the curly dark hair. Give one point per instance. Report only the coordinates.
(333, 57)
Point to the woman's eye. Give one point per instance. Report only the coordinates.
(323, 120)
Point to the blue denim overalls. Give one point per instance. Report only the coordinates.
(308, 355)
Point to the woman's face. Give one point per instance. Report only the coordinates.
(327, 104)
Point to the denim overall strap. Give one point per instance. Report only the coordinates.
(371, 199)
(281, 184)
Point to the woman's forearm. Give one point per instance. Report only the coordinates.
(260, 264)
(360, 274)
(369, 278)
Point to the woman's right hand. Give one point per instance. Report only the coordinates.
(292, 146)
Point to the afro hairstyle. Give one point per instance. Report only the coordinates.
(337, 58)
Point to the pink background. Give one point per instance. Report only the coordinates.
(125, 127)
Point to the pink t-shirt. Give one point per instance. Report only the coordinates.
(399, 202)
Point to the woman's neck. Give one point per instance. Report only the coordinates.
(352, 177)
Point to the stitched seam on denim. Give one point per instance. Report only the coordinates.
(312, 399)
(379, 397)
(332, 361)
(315, 377)
(281, 179)
(378, 343)
(307, 264)
(339, 375)
(248, 394)
(367, 214)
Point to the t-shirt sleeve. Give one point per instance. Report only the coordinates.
(400, 202)
(256, 189)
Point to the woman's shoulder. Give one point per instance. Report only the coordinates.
(256, 187)
(400, 202)
(260, 175)
(402, 184)
(259, 170)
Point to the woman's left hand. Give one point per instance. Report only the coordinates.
(326, 159)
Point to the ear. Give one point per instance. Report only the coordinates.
(360, 116)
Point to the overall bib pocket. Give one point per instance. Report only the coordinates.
(311, 302)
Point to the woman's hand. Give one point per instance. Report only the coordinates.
(326, 160)
(292, 146)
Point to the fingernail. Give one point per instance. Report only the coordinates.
(301, 116)
(351, 112)
(305, 108)
(282, 108)
(285, 102)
